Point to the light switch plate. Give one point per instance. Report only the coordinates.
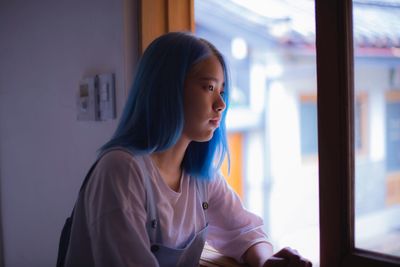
(87, 103)
(106, 90)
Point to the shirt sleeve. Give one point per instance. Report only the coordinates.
(232, 228)
(116, 213)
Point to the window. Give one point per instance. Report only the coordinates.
(270, 50)
(337, 105)
(376, 127)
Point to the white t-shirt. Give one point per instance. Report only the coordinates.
(109, 227)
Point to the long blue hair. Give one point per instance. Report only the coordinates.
(153, 116)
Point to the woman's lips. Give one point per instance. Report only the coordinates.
(215, 122)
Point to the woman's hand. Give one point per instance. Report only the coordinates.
(287, 257)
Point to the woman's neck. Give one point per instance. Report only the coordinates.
(169, 163)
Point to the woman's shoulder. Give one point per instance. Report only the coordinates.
(124, 164)
(119, 157)
(218, 185)
(116, 183)
(120, 169)
(216, 179)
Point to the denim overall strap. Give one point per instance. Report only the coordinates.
(167, 256)
(201, 187)
(152, 224)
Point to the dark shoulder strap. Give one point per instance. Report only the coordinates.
(85, 181)
(66, 231)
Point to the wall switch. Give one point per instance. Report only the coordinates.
(96, 98)
(106, 90)
(87, 102)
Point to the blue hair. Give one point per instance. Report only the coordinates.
(153, 116)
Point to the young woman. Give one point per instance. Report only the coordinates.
(155, 195)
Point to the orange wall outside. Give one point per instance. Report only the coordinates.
(235, 177)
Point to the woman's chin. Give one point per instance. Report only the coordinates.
(206, 137)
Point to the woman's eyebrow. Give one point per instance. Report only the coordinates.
(210, 78)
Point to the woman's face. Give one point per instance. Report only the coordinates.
(203, 99)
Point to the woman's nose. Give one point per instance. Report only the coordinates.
(219, 104)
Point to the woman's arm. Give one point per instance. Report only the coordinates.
(260, 255)
(257, 254)
(232, 228)
(237, 233)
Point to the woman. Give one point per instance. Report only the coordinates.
(155, 195)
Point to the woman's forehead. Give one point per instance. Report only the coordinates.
(208, 68)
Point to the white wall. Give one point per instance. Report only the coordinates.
(46, 47)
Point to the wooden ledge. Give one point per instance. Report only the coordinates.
(212, 258)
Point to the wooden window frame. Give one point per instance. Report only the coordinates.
(335, 76)
(157, 17)
(335, 104)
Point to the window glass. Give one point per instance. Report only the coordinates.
(272, 122)
(376, 35)
(308, 126)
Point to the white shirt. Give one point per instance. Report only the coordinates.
(109, 227)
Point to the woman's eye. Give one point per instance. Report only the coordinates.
(222, 93)
(210, 88)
